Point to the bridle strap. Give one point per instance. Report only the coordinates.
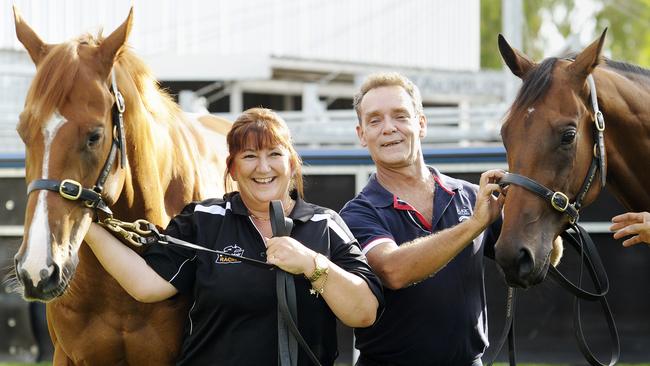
(599, 121)
(120, 107)
(558, 200)
(67, 188)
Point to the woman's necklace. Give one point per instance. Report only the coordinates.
(287, 211)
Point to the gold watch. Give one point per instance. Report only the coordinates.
(321, 267)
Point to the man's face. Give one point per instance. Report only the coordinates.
(390, 127)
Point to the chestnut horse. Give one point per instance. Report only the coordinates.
(166, 160)
(551, 137)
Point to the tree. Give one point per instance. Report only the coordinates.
(628, 38)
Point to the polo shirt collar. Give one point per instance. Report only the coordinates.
(381, 197)
(301, 210)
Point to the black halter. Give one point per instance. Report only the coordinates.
(558, 200)
(73, 190)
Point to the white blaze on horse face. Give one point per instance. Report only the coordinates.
(36, 254)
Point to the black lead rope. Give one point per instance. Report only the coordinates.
(508, 331)
(588, 256)
(286, 292)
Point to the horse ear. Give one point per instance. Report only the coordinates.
(36, 48)
(112, 45)
(589, 58)
(517, 62)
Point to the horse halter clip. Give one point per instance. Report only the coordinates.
(559, 200)
(73, 190)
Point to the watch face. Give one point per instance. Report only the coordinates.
(321, 262)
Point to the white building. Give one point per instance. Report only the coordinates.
(305, 56)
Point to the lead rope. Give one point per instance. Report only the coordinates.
(286, 292)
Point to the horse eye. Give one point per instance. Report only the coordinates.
(568, 137)
(93, 138)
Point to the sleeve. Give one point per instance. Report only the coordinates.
(174, 264)
(366, 224)
(345, 253)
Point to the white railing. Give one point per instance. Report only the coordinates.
(460, 126)
(446, 125)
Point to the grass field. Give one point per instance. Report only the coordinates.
(497, 364)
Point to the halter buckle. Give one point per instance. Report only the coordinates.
(560, 201)
(600, 121)
(70, 189)
(119, 101)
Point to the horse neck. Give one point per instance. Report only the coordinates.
(150, 153)
(624, 103)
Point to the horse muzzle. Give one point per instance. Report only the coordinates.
(46, 283)
(520, 267)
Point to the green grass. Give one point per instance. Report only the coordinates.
(496, 364)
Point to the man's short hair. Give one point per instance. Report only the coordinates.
(381, 79)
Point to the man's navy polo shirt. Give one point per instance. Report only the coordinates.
(441, 320)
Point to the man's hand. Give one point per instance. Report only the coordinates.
(488, 207)
(632, 223)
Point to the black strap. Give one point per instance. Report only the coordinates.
(116, 144)
(508, 330)
(589, 257)
(555, 198)
(594, 266)
(286, 292)
(69, 188)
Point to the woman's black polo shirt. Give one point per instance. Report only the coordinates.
(233, 317)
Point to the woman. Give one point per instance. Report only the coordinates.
(233, 320)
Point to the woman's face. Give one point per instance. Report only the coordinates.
(262, 175)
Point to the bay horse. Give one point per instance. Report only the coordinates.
(551, 138)
(166, 160)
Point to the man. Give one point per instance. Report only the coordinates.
(424, 235)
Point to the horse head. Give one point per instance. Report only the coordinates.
(68, 132)
(549, 138)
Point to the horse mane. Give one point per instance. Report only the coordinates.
(57, 74)
(627, 67)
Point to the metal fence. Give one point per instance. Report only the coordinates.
(458, 126)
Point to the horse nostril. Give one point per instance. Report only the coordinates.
(46, 272)
(525, 262)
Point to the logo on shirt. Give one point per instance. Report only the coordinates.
(463, 214)
(230, 249)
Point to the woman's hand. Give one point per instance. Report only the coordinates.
(290, 255)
